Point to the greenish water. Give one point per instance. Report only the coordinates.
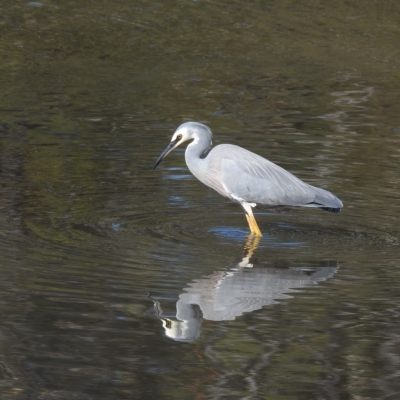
(120, 282)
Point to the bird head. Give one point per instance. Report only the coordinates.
(185, 132)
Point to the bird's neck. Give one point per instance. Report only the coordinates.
(195, 152)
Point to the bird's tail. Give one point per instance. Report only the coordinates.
(326, 201)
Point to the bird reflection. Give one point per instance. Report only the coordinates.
(226, 294)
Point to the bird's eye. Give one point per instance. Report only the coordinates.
(179, 137)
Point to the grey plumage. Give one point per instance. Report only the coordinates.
(245, 177)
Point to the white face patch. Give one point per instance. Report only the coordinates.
(181, 132)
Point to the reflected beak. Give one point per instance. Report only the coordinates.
(168, 150)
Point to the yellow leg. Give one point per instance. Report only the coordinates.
(247, 207)
(255, 230)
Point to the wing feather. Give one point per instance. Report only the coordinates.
(255, 179)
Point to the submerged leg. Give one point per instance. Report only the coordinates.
(255, 230)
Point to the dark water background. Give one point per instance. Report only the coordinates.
(98, 253)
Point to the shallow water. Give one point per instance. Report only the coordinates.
(123, 282)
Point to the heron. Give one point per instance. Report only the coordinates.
(245, 177)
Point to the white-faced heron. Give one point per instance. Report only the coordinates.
(244, 177)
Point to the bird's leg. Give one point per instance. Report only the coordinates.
(255, 230)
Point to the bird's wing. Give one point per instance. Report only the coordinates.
(254, 179)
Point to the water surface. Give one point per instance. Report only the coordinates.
(122, 282)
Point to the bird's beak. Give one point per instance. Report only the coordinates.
(168, 150)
